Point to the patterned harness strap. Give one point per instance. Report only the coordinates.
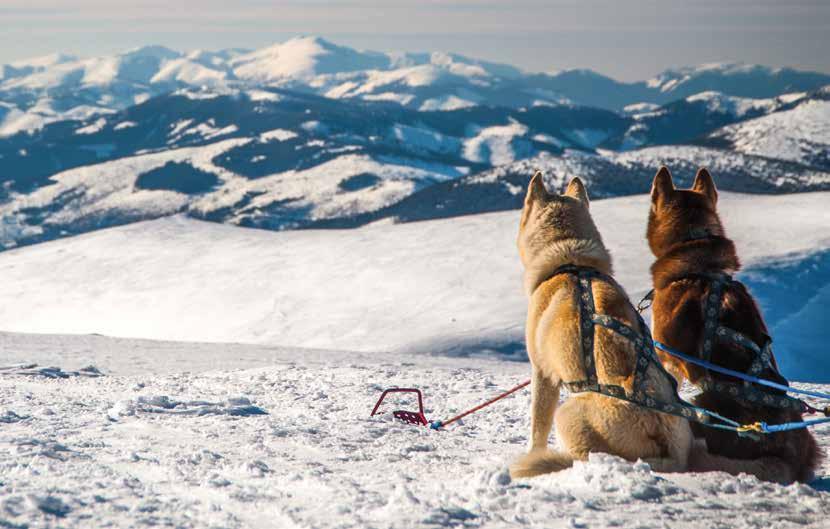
(714, 332)
(644, 347)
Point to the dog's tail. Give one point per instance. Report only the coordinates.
(540, 462)
(770, 468)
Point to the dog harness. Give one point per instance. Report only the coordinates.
(714, 332)
(641, 394)
(762, 357)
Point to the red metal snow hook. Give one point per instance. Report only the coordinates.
(411, 417)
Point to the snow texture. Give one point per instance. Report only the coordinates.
(292, 445)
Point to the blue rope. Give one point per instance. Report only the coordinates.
(732, 424)
(729, 425)
(737, 374)
(772, 428)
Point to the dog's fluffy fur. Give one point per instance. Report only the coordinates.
(558, 230)
(678, 320)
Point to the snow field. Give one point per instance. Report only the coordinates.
(98, 431)
(131, 450)
(438, 287)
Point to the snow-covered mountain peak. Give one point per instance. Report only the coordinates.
(671, 78)
(303, 58)
(43, 61)
(465, 66)
(727, 67)
(739, 79)
(735, 106)
(140, 65)
(27, 67)
(422, 80)
(218, 58)
(154, 51)
(190, 72)
(309, 58)
(574, 72)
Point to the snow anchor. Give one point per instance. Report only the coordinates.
(411, 417)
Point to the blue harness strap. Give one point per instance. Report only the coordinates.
(737, 374)
(714, 333)
(762, 359)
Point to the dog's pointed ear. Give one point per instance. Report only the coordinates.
(576, 189)
(704, 184)
(663, 186)
(536, 191)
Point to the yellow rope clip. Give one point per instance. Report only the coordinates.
(754, 427)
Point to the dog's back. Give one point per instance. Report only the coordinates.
(554, 343)
(565, 345)
(687, 238)
(684, 301)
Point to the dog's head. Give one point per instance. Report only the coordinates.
(548, 219)
(680, 215)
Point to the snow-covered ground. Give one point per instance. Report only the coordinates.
(277, 433)
(291, 445)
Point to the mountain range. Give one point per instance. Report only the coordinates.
(307, 133)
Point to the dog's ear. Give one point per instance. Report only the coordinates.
(576, 189)
(704, 184)
(536, 191)
(663, 186)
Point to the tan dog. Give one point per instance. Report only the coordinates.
(558, 230)
(687, 237)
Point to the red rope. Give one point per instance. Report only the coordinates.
(441, 424)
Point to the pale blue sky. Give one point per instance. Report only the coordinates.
(625, 39)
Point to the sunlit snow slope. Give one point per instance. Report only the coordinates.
(447, 286)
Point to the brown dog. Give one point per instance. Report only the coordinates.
(687, 238)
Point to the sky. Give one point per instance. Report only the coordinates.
(626, 39)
